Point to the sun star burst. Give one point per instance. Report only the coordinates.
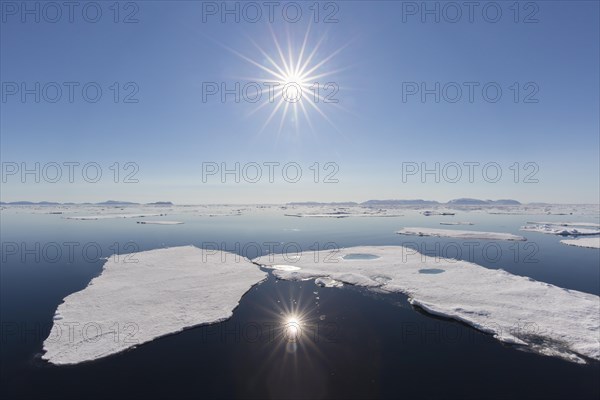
(294, 81)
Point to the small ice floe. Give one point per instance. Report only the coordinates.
(430, 213)
(560, 230)
(233, 214)
(160, 222)
(456, 223)
(282, 267)
(514, 309)
(130, 303)
(590, 242)
(587, 224)
(459, 234)
(328, 282)
(110, 216)
(343, 214)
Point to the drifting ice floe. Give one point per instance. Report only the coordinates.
(591, 242)
(328, 282)
(282, 267)
(160, 222)
(459, 234)
(430, 213)
(515, 309)
(150, 294)
(111, 216)
(557, 230)
(588, 224)
(342, 215)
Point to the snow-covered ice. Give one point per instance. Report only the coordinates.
(592, 242)
(459, 234)
(160, 222)
(588, 224)
(111, 216)
(328, 282)
(515, 309)
(560, 230)
(282, 267)
(148, 295)
(343, 215)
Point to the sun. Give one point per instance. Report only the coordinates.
(292, 329)
(294, 81)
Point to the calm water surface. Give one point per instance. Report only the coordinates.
(352, 343)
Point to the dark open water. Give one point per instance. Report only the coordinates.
(352, 344)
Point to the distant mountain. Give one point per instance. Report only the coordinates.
(418, 202)
(478, 202)
(467, 202)
(160, 203)
(316, 203)
(507, 202)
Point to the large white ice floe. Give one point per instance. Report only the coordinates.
(147, 295)
(515, 309)
(590, 242)
(459, 234)
(560, 230)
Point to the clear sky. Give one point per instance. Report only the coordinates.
(381, 60)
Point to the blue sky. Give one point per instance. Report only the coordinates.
(371, 135)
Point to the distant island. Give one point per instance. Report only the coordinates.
(463, 201)
(415, 202)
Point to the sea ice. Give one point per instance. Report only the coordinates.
(342, 215)
(588, 224)
(429, 213)
(147, 295)
(282, 267)
(111, 216)
(328, 282)
(558, 230)
(591, 242)
(515, 309)
(459, 234)
(160, 222)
